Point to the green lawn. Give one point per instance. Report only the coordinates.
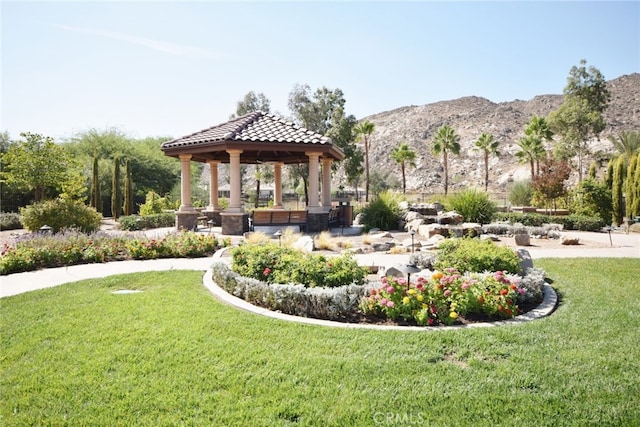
(173, 355)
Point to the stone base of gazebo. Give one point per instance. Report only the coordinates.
(317, 221)
(234, 224)
(187, 220)
(213, 216)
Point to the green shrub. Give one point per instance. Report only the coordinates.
(592, 198)
(473, 204)
(582, 222)
(272, 263)
(569, 222)
(521, 193)
(526, 219)
(154, 204)
(60, 214)
(472, 255)
(10, 221)
(384, 212)
(135, 222)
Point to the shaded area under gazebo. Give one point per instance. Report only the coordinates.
(255, 138)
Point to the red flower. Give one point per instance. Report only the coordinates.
(503, 292)
(266, 271)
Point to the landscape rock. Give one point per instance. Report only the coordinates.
(526, 261)
(448, 218)
(305, 244)
(570, 241)
(522, 239)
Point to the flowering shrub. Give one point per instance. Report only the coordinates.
(445, 297)
(71, 247)
(335, 303)
(272, 263)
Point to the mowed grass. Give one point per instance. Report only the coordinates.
(173, 355)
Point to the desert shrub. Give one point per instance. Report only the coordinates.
(60, 214)
(384, 212)
(273, 263)
(521, 193)
(10, 221)
(135, 222)
(473, 204)
(476, 256)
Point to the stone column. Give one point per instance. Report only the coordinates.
(213, 185)
(277, 186)
(185, 183)
(326, 182)
(235, 202)
(313, 181)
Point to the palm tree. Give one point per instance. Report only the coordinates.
(446, 141)
(539, 129)
(627, 143)
(363, 130)
(531, 149)
(488, 145)
(403, 155)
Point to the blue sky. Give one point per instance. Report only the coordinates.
(172, 68)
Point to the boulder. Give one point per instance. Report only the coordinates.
(522, 239)
(391, 271)
(450, 218)
(383, 246)
(305, 244)
(412, 216)
(413, 224)
(526, 262)
(570, 241)
(429, 230)
(407, 243)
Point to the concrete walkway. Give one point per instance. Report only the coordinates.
(624, 245)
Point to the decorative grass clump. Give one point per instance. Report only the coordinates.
(384, 212)
(474, 205)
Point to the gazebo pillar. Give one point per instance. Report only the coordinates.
(212, 212)
(313, 205)
(234, 220)
(186, 217)
(326, 183)
(277, 187)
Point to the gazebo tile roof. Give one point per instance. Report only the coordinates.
(256, 127)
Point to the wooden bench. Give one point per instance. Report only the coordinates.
(279, 217)
(334, 217)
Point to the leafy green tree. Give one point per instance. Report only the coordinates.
(363, 131)
(581, 115)
(322, 112)
(37, 164)
(404, 155)
(592, 198)
(353, 168)
(617, 190)
(446, 141)
(489, 146)
(607, 179)
(252, 102)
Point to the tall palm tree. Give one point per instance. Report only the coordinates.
(403, 155)
(538, 128)
(489, 146)
(363, 131)
(446, 141)
(627, 143)
(531, 150)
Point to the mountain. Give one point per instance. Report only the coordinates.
(472, 115)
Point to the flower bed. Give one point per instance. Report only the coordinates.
(37, 250)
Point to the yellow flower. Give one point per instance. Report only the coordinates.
(419, 297)
(405, 300)
(411, 291)
(424, 305)
(454, 306)
(453, 315)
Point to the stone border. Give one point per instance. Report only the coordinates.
(545, 308)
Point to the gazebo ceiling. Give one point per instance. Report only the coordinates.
(261, 137)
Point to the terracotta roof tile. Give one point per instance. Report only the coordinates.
(253, 127)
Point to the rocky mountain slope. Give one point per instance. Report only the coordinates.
(470, 116)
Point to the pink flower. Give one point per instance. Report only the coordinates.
(383, 301)
(447, 293)
(521, 290)
(419, 286)
(266, 271)
(465, 286)
(390, 289)
(402, 281)
(390, 304)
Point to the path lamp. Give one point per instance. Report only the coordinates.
(408, 269)
(278, 234)
(45, 229)
(413, 233)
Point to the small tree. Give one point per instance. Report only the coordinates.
(116, 193)
(96, 201)
(404, 155)
(128, 189)
(446, 141)
(593, 170)
(617, 191)
(550, 183)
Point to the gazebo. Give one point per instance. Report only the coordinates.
(255, 138)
